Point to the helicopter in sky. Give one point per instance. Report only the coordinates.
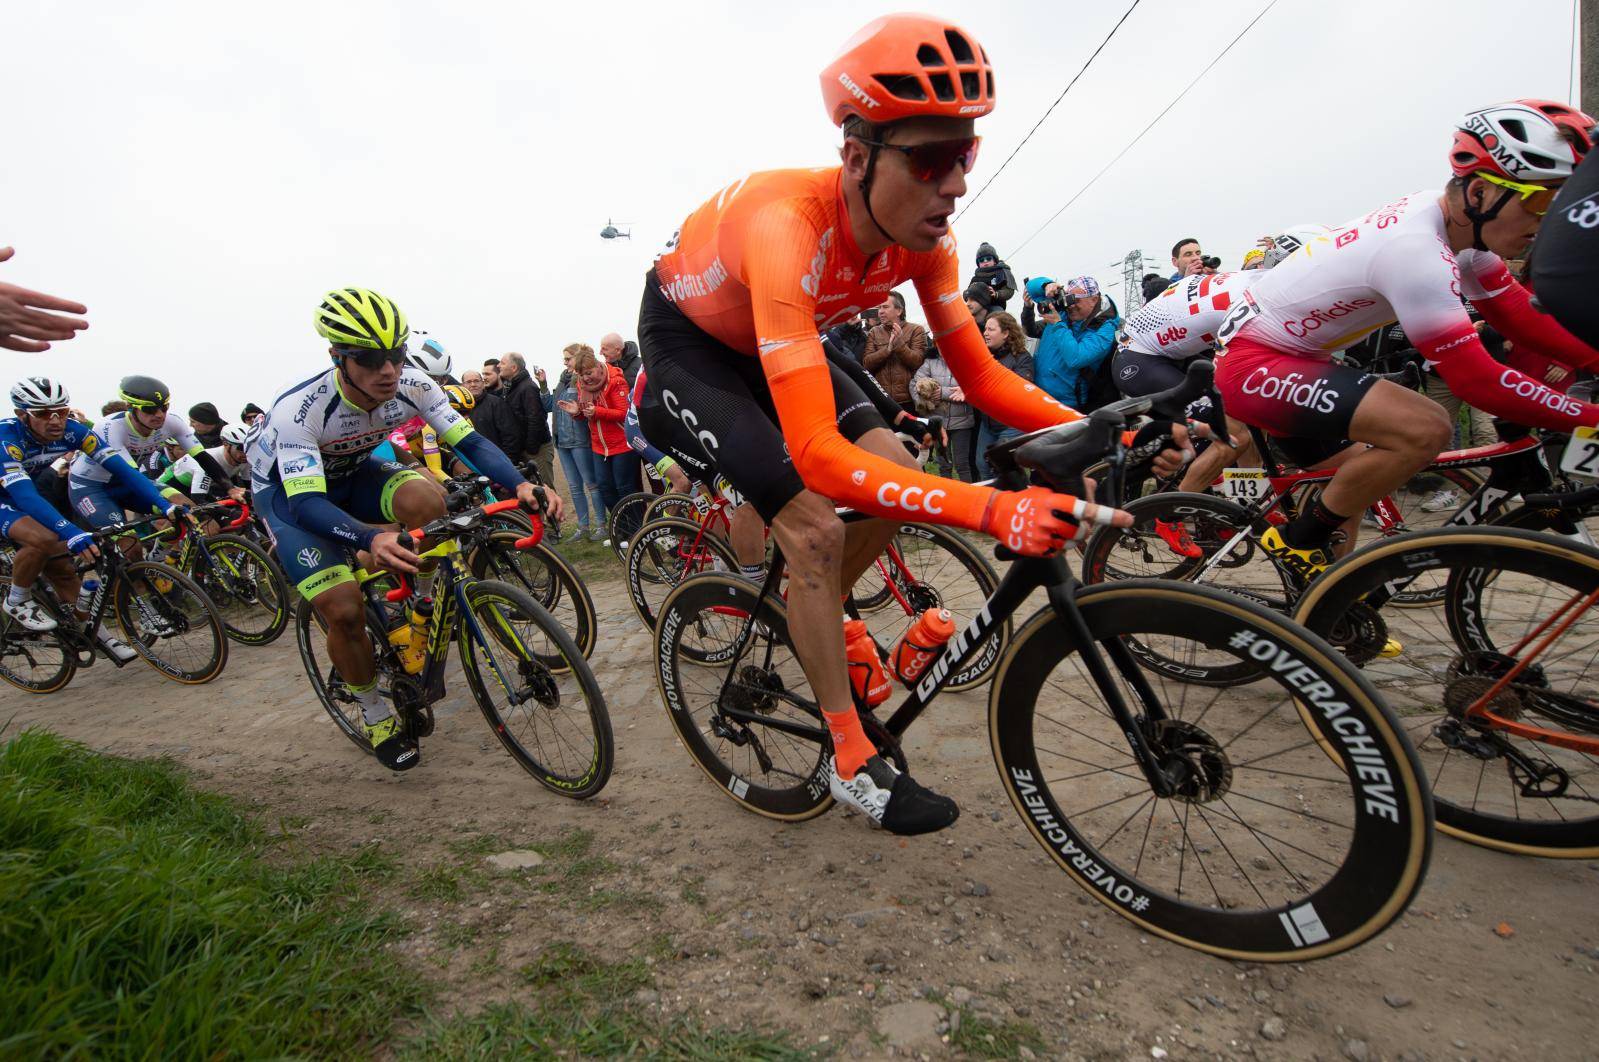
(611, 232)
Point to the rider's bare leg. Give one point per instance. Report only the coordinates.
(1406, 430)
(864, 540)
(1204, 469)
(748, 534)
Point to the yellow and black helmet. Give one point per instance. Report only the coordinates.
(356, 317)
(461, 399)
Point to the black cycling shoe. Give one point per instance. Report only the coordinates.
(894, 801)
(393, 749)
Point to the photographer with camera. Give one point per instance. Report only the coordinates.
(1188, 260)
(1079, 334)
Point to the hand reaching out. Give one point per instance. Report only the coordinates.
(24, 323)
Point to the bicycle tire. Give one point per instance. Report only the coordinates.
(714, 605)
(914, 541)
(1386, 815)
(223, 589)
(483, 625)
(1467, 807)
(142, 632)
(18, 644)
(673, 503)
(547, 576)
(1211, 522)
(624, 520)
(337, 701)
(658, 561)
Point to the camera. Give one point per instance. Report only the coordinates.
(1210, 262)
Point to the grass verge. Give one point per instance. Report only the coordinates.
(140, 917)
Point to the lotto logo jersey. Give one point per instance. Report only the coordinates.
(1182, 321)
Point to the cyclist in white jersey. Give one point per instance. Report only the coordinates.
(1411, 261)
(134, 434)
(320, 489)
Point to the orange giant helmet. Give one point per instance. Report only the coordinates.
(908, 66)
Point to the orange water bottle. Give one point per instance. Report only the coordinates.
(920, 645)
(866, 675)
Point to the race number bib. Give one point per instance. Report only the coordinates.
(1581, 457)
(1245, 484)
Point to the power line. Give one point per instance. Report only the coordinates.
(1571, 64)
(973, 201)
(1147, 128)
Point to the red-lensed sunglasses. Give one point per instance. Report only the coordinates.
(932, 160)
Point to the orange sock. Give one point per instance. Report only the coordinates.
(851, 746)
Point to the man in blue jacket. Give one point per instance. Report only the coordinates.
(1070, 351)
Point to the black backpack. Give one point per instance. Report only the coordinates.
(1098, 385)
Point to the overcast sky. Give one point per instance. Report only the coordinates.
(199, 174)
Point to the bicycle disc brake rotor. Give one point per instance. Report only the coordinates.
(1359, 633)
(538, 684)
(1196, 763)
(921, 596)
(755, 690)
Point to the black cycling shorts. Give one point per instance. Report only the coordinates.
(722, 408)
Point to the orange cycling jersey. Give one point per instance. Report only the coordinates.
(770, 261)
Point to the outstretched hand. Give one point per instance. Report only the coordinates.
(26, 325)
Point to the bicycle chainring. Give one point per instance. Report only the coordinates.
(1192, 759)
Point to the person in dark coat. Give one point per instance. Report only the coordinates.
(994, 276)
(490, 416)
(207, 424)
(530, 405)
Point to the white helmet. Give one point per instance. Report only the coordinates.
(1290, 240)
(235, 434)
(431, 358)
(37, 392)
(1524, 140)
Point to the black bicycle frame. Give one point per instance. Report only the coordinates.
(1025, 574)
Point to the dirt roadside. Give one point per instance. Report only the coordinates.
(859, 943)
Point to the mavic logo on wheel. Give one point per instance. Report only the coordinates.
(309, 556)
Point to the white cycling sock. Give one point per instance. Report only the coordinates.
(17, 595)
(373, 710)
(753, 571)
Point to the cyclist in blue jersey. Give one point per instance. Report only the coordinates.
(320, 489)
(41, 433)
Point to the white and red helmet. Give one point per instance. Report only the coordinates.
(1523, 140)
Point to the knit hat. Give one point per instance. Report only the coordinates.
(1087, 285)
(250, 407)
(205, 413)
(986, 250)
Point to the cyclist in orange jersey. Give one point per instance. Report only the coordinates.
(728, 331)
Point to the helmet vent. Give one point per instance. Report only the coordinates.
(1515, 128)
(971, 84)
(1541, 161)
(902, 86)
(927, 55)
(943, 87)
(990, 80)
(959, 47)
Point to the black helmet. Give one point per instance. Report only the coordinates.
(144, 392)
